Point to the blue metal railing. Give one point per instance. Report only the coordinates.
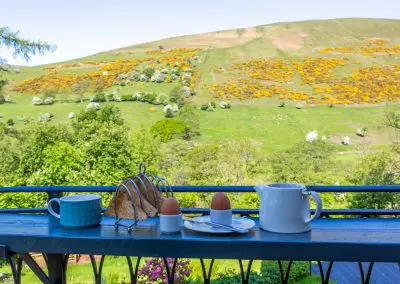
(60, 266)
(200, 188)
(54, 191)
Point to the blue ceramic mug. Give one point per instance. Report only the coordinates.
(78, 211)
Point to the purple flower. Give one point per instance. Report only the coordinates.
(154, 270)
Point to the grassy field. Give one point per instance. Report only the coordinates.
(274, 127)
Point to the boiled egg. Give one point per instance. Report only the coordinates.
(170, 207)
(220, 202)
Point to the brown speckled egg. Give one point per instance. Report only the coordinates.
(170, 207)
(220, 202)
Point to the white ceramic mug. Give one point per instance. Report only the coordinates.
(223, 217)
(170, 223)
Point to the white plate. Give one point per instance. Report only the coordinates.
(240, 222)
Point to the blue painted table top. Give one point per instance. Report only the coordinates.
(330, 239)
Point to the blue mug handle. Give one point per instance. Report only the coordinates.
(50, 209)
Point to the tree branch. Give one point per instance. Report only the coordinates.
(22, 47)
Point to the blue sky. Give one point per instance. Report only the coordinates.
(85, 27)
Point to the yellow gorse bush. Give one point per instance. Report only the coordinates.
(317, 70)
(272, 69)
(248, 88)
(377, 47)
(377, 41)
(124, 66)
(63, 82)
(369, 85)
(364, 85)
(177, 56)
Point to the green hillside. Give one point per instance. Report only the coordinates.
(211, 57)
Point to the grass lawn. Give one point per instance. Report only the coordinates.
(115, 270)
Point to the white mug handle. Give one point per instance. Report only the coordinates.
(319, 205)
(50, 209)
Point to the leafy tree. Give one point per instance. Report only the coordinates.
(89, 122)
(107, 155)
(189, 116)
(145, 148)
(99, 97)
(32, 143)
(168, 129)
(392, 119)
(375, 169)
(9, 161)
(306, 163)
(49, 90)
(104, 141)
(170, 160)
(81, 88)
(201, 164)
(176, 96)
(24, 48)
(96, 149)
(239, 161)
(149, 71)
(108, 114)
(62, 163)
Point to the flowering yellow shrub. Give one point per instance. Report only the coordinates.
(174, 51)
(364, 85)
(336, 50)
(179, 57)
(369, 85)
(63, 82)
(317, 70)
(366, 51)
(273, 69)
(194, 79)
(247, 89)
(124, 66)
(377, 41)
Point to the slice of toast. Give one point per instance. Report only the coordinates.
(140, 182)
(147, 207)
(156, 197)
(124, 205)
